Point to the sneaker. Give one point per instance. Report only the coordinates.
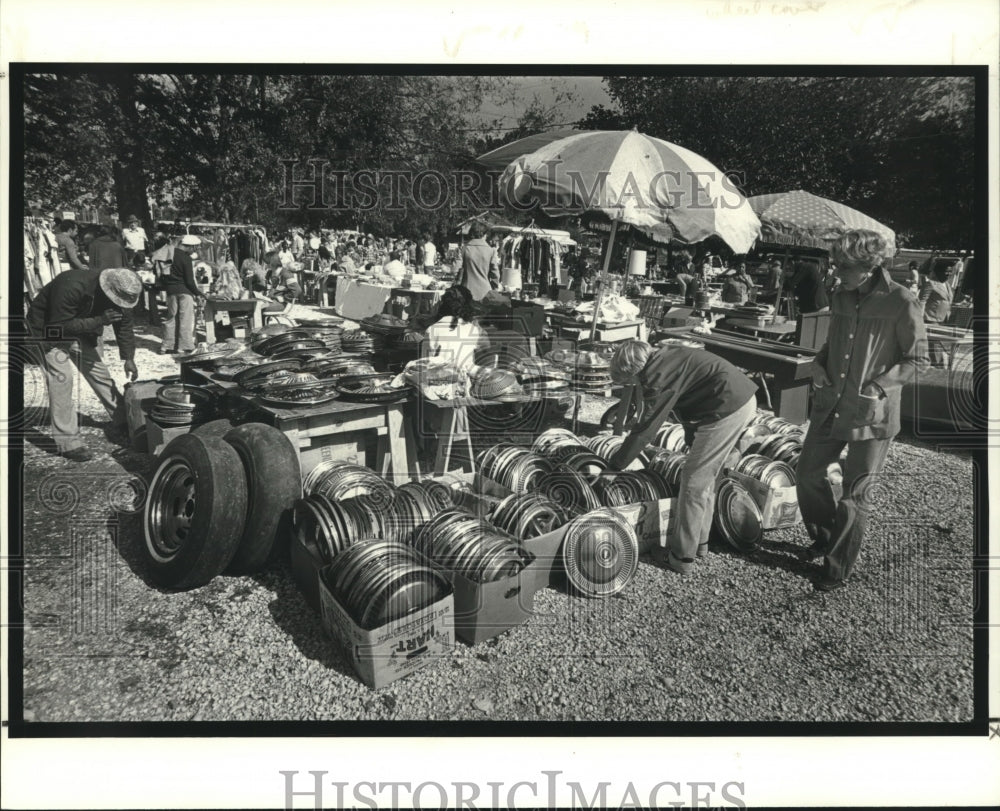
(77, 455)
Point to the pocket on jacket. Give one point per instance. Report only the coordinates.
(871, 410)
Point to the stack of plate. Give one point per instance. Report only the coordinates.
(272, 344)
(579, 458)
(381, 581)
(552, 438)
(514, 468)
(340, 366)
(591, 382)
(415, 504)
(383, 324)
(631, 487)
(779, 447)
(670, 437)
(600, 553)
(263, 375)
(180, 404)
(777, 425)
(331, 525)
(329, 335)
(528, 515)
(361, 342)
(765, 470)
(463, 543)
(570, 490)
(737, 517)
(496, 384)
(668, 465)
(374, 388)
(686, 342)
(339, 480)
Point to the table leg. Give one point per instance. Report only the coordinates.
(209, 324)
(446, 438)
(402, 453)
(257, 318)
(792, 404)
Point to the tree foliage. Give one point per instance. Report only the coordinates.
(899, 149)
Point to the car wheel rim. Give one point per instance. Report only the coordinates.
(173, 500)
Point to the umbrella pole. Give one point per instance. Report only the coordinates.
(604, 279)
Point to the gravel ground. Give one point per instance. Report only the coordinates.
(742, 638)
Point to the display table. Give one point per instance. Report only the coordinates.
(214, 307)
(328, 431)
(407, 302)
(357, 300)
(455, 432)
(788, 367)
(580, 330)
(757, 330)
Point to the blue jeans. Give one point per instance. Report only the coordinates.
(837, 527)
(178, 329)
(696, 498)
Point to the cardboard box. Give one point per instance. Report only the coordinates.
(159, 436)
(139, 398)
(397, 649)
(779, 506)
(486, 610)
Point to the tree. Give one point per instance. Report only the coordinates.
(883, 145)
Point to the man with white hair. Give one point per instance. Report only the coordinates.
(714, 400)
(875, 345)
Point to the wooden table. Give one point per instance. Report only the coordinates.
(455, 432)
(323, 432)
(252, 307)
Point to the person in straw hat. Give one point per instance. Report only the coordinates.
(68, 317)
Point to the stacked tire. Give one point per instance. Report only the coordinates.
(219, 502)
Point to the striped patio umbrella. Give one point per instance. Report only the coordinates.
(664, 190)
(803, 219)
(501, 157)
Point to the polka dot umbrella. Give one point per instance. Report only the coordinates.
(800, 218)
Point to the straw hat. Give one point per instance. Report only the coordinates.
(122, 286)
(190, 239)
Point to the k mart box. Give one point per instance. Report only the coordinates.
(779, 506)
(394, 650)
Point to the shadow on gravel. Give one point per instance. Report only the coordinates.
(293, 615)
(772, 555)
(126, 527)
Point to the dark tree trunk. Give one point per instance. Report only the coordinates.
(129, 155)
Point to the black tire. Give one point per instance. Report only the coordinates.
(195, 512)
(274, 482)
(214, 428)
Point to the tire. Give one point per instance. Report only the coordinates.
(195, 512)
(214, 428)
(273, 485)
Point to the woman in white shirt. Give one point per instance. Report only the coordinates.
(455, 336)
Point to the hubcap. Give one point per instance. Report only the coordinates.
(173, 500)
